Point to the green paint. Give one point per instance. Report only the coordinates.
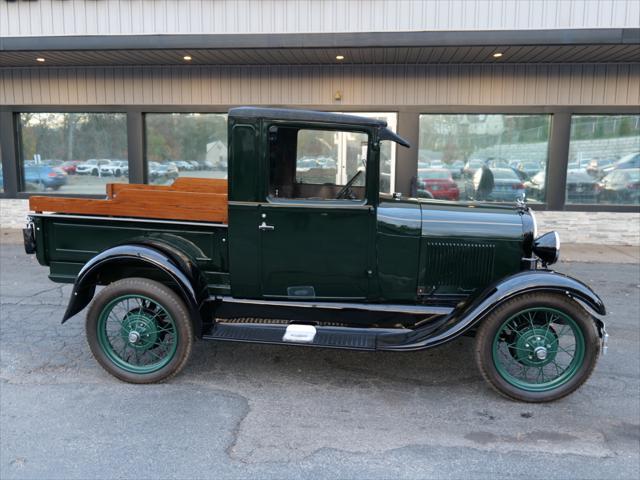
(137, 334)
(521, 336)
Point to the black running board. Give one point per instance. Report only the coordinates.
(312, 310)
(325, 336)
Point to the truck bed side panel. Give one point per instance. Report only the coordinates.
(68, 242)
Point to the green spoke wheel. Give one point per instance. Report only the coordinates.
(139, 330)
(137, 334)
(537, 347)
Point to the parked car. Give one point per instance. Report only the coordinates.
(115, 168)
(498, 163)
(581, 187)
(196, 165)
(331, 266)
(598, 167)
(162, 171)
(628, 161)
(527, 170)
(91, 166)
(70, 166)
(183, 165)
(455, 168)
(621, 186)
(308, 163)
(507, 186)
(44, 176)
(439, 182)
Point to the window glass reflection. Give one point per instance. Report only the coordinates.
(185, 144)
(604, 160)
(482, 157)
(72, 152)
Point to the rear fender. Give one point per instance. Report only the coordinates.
(176, 266)
(472, 312)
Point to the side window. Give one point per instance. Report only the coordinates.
(317, 164)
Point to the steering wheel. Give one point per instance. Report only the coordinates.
(346, 190)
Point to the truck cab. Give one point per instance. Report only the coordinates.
(307, 219)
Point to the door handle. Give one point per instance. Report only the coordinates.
(264, 227)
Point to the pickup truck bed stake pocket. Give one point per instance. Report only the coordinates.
(318, 256)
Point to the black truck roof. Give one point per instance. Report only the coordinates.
(303, 115)
(316, 116)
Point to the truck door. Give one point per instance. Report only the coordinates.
(316, 227)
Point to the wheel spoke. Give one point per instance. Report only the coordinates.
(517, 344)
(153, 326)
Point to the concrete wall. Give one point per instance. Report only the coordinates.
(588, 149)
(603, 228)
(121, 17)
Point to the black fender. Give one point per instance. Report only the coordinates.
(474, 310)
(174, 264)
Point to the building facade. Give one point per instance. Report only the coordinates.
(544, 94)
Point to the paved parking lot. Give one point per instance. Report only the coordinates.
(246, 411)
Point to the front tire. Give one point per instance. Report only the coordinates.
(537, 347)
(139, 331)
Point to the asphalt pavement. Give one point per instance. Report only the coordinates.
(248, 411)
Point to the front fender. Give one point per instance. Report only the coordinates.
(178, 269)
(473, 311)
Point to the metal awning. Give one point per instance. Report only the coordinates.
(403, 48)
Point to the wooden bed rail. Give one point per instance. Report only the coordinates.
(183, 184)
(193, 199)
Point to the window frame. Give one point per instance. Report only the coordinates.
(407, 117)
(605, 207)
(539, 205)
(170, 111)
(19, 184)
(313, 202)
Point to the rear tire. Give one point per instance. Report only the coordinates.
(139, 331)
(537, 347)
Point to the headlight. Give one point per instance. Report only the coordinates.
(547, 248)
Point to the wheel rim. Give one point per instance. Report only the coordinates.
(137, 334)
(538, 349)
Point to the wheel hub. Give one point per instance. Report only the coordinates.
(536, 346)
(139, 330)
(541, 353)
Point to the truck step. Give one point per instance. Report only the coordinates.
(299, 334)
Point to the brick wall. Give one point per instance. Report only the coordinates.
(574, 227)
(13, 213)
(605, 228)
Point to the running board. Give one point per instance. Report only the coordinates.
(401, 309)
(303, 334)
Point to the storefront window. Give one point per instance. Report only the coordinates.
(72, 152)
(499, 158)
(186, 145)
(604, 160)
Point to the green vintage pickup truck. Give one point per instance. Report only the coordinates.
(302, 248)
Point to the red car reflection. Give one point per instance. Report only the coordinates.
(439, 182)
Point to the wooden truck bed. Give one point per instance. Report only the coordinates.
(193, 199)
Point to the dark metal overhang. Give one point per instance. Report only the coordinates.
(441, 47)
